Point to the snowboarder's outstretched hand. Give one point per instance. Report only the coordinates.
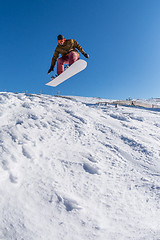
(86, 55)
(51, 69)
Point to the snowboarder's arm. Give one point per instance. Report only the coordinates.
(78, 46)
(54, 58)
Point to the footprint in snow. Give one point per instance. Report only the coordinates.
(26, 152)
(69, 203)
(32, 116)
(157, 125)
(13, 178)
(19, 122)
(90, 169)
(26, 105)
(4, 175)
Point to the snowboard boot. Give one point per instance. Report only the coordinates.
(53, 77)
(66, 67)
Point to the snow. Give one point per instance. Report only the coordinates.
(71, 169)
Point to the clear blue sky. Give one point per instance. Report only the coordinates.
(122, 38)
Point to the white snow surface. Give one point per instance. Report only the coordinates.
(73, 170)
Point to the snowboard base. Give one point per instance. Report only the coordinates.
(75, 68)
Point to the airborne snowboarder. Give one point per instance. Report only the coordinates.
(68, 49)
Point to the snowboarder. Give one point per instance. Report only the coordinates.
(67, 48)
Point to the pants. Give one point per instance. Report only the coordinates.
(68, 59)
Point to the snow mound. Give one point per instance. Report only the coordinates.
(72, 169)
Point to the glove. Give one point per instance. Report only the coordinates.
(51, 69)
(86, 55)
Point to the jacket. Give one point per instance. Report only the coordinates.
(69, 46)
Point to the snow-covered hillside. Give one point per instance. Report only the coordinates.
(73, 170)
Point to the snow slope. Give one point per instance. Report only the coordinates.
(72, 170)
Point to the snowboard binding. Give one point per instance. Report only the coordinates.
(53, 77)
(56, 75)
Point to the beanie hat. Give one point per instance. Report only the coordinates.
(60, 37)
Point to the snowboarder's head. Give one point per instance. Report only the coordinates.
(61, 39)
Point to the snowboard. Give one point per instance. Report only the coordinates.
(75, 68)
